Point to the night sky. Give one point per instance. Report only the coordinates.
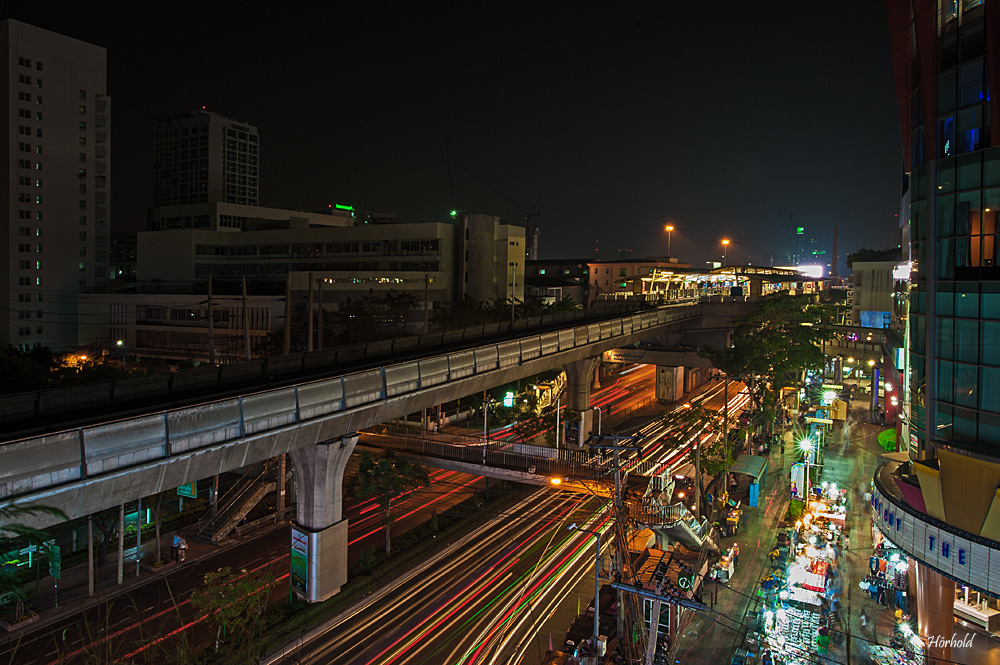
(617, 118)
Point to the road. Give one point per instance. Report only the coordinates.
(134, 625)
(479, 603)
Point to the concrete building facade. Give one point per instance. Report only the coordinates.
(58, 184)
(201, 156)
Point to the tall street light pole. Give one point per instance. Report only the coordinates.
(669, 229)
(725, 251)
(597, 583)
(121, 345)
(486, 418)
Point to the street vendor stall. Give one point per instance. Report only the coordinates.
(756, 468)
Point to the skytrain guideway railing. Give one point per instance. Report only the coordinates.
(47, 461)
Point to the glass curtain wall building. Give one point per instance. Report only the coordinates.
(941, 502)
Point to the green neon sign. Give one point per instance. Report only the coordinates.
(343, 207)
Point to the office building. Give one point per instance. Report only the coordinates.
(476, 256)
(58, 184)
(940, 503)
(203, 157)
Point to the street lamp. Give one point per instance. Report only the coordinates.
(486, 418)
(121, 345)
(669, 229)
(597, 582)
(598, 409)
(806, 446)
(725, 250)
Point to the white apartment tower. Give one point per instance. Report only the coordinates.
(58, 184)
(203, 157)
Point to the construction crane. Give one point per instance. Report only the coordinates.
(531, 232)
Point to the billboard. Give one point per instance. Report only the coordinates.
(300, 561)
(875, 318)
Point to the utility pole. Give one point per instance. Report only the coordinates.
(320, 294)
(246, 321)
(427, 301)
(615, 446)
(211, 323)
(309, 328)
(286, 345)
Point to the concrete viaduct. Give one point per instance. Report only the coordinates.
(88, 469)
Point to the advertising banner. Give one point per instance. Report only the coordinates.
(300, 561)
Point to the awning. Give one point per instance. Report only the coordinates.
(885, 458)
(750, 465)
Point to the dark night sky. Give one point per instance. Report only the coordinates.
(715, 114)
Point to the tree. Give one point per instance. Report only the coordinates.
(386, 476)
(865, 254)
(771, 346)
(235, 602)
(14, 533)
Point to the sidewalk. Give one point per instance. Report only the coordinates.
(73, 588)
(709, 637)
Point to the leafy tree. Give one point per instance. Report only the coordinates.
(375, 317)
(235, 602)
(13, 534)
(771, 346)
(524, 416)
(386, 476)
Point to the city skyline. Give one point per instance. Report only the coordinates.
(616, 121)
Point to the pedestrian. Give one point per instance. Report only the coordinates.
(847, 542)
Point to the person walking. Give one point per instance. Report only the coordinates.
(847, 542)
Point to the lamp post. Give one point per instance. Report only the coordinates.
(598, 409)
(486, 418)
(669, 229)
(725, 252)
(121, 345)
(597, 582)
(806, 446)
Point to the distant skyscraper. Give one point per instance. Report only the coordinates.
(788, 239)
(204, 157)
(58, 190)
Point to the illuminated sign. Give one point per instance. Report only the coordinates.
(624, 356)
(900, 358)
(974, 563)
(508, 399)
(343, 207)
(902, 271)
(800, 230)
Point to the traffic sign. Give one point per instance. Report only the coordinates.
(190, 490)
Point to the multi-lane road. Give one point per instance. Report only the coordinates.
(480, 602)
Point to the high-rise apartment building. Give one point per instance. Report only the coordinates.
(203, 157)
(941, 504)
(57, 187)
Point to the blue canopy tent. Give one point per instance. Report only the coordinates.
(756, 468)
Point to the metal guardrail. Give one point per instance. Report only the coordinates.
(57, 403)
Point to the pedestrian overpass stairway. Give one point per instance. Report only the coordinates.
(238, 502)
(676, 521)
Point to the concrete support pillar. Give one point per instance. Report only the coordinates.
(935, 613)
(319, 533)
(669, 383)
(579, 378)
(578, 421)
